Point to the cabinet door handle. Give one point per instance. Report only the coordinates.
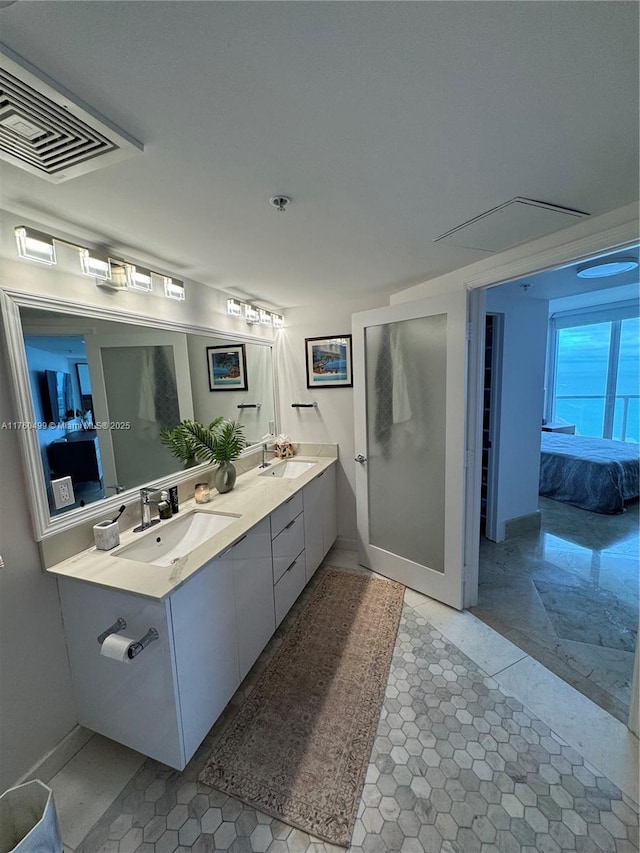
(291, 523)
(321, 474)
(290, 499)
(292, 565)
(233, 545)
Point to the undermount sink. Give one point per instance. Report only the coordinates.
(164, 545)
(288, 470)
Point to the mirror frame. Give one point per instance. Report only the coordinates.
(46, 525)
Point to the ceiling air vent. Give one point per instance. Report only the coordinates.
(515, 221)
(47, 131)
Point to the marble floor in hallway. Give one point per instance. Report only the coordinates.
(568, 596)
(479, 749)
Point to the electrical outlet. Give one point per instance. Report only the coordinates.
(63, 492)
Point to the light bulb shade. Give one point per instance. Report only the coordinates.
(278, 321)
(265, 317)
(604, 267)
(95, 264)
(251, 314)
(35, 246)
(174, 289)
(138, 278)
(234, 308)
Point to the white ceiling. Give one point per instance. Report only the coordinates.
(565, 290)
(386, 123)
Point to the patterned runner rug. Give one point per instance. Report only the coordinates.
(298, 747)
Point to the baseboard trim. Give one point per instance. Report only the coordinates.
(47, 767)
(345, 544)
(522, 524)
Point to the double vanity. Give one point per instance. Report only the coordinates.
(200, 595)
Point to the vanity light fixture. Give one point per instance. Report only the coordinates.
(605, 267)
(95, 264)
(138, 278)
(108, 272)
(251, 314)
(173, 289)
(35, 246)
(234, 308)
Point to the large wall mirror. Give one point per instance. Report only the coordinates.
(98, 387)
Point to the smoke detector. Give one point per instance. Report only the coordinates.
(47, 131)
(280, 202)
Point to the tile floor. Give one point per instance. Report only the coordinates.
(568, 596)
(459, 764)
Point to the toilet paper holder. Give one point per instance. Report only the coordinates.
(119, 625)
(143, 642)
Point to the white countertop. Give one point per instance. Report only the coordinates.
(252, 499)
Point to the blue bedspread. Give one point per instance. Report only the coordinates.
(597, 474)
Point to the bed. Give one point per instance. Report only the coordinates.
(597, 474)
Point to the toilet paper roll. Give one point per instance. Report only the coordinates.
(116, 647)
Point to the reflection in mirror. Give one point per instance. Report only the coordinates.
(101, 391)
(252, 408)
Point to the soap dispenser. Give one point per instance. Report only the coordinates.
(164, 507)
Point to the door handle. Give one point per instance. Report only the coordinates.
(360, 458)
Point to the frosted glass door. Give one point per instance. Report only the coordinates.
(410, 442)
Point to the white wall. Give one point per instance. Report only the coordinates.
(522, 402)
(332, 421)
(36, 705)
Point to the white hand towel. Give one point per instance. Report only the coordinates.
(400, 404)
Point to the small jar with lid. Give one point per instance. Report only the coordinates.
(202, 493)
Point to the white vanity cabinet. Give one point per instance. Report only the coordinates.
(320, 520)
(206, 648)
(287, 547)
(253, 589)
(134, 703)
(211, 629)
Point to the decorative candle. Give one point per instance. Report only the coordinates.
(202, 493)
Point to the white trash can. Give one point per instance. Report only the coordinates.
(28, 820)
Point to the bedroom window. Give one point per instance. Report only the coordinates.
(595, 373)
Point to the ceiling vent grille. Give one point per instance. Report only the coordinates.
(47, 131)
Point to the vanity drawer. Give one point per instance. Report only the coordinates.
(281, 516)
(289, 587)
(287, 545)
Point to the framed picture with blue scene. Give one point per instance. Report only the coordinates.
(329, 362)
(227, 368)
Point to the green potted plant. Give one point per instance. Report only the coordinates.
(221, 442)
(181, 443)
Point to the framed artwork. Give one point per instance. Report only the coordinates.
(329, 362)
(227, 368)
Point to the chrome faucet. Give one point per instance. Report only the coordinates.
(145, 508)
(265, 452)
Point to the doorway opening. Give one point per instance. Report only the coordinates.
(558, 570)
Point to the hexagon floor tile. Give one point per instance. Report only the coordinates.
(458, 766)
